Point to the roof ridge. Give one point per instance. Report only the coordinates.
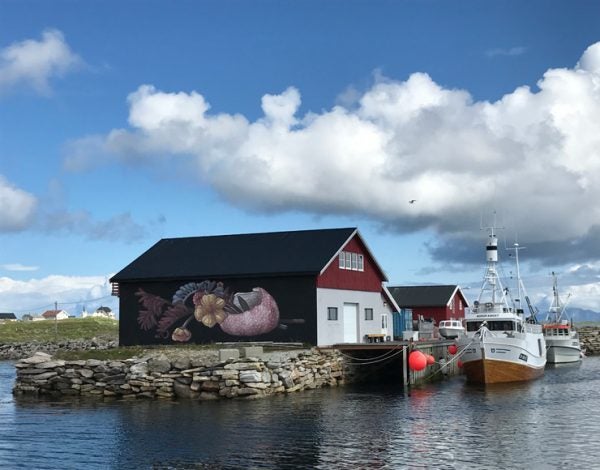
(278, 232)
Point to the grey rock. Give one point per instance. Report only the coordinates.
(250, 376)
(159, 364)
(139, 369)
(184, 391)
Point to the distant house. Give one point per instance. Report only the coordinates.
(6, 317)
(432, 302)
(27, 317)
(55, 315)
(313, 286)
(103, 312)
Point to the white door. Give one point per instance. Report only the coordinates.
(384, 324)
(351, 323)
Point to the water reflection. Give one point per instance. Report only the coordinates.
(552, 422)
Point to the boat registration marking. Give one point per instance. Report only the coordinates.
(500, 350)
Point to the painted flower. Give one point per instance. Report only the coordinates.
(209, 310)
(181, 334)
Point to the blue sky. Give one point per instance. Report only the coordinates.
(125, 122)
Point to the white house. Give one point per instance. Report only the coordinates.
(55, 315)
(102, 312)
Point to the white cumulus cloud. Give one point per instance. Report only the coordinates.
(534, 154)
(35, 62)
(18, 267)
(17, 207)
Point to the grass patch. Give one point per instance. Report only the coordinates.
(114, 354)
(48, 331)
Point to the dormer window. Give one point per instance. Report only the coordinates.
(351, 261)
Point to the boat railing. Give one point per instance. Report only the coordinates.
(533, 328)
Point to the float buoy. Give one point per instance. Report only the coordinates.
(417, 361)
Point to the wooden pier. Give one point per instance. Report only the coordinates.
(389, 359)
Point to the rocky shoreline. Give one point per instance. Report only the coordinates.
(182, 377)
(589, 337)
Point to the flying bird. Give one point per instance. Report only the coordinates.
(412, 201)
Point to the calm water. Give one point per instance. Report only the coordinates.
(553, 422)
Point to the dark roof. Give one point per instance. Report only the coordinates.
(422, 296)
(7, 316)
(255, 254)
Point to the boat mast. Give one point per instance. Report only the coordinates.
(521, 287)
(557, 307)
(491, 281)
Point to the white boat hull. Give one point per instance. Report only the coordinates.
(451, 333)
(499, 358)
(563, 350)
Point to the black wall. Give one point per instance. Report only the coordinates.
(295, 297)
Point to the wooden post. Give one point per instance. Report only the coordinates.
(410, 349)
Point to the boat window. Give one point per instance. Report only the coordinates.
(501, 325)
(473, 325)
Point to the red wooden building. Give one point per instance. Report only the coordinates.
(432, 302)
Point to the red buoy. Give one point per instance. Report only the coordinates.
(430, 359)
(452, 349)
(417, 361)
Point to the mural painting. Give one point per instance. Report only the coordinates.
(210, 304)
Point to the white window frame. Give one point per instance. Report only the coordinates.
(354, 261)
(348, 260)
(361, 263)
(342, 260)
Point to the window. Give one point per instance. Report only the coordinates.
(352, 261)
(332, 313)
(384, 321)
(368, 314)
(460, 305)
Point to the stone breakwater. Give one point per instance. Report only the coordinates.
(184, 377)
(15, 351)
(590, 339)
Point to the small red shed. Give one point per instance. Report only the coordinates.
(436, 302)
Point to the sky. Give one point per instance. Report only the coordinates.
(124, 122)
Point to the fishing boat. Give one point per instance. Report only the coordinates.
(451, 329)
(562, 340)
(500, 344)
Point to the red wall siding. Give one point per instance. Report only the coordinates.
(442, 313)
(368, 280)
(437, 313)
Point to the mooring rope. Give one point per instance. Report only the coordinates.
(456, 357)
(380, 359)
(388, 352)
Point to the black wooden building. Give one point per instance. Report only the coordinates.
(249, 287)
